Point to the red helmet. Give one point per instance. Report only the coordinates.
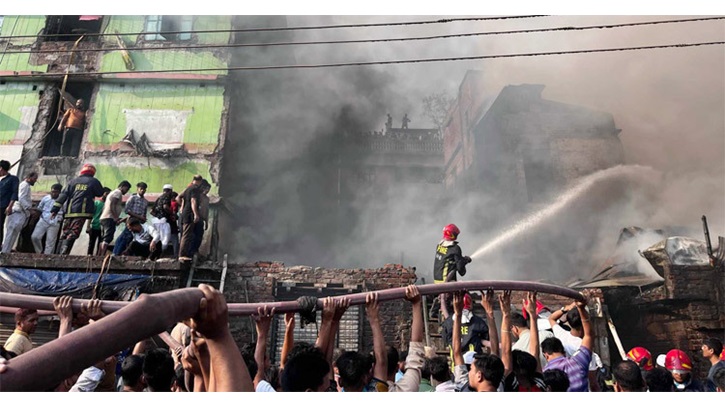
(642, 357)
(88, 169)
(467, 301)
(677, 361)
(451, 232)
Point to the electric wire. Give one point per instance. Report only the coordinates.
(376, 40)
(368, 63)
(298, 28)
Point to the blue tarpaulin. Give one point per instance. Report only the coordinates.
(55, 283)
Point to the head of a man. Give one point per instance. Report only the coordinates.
(518, 325)
(354, 369)
(134, 225)
(106, 191)
(719, 379)
(574, 319)
(4, 167)
(55, 190)
(524, 364)
(393, 360)
(556, 380)
(158, 370)
(205, 187)
(26, 320)
(31, 178)
(197, 180)
(486, 373)
(628, 377)
(132, 372)
(167, 190)
(711, 348)
(659, 379)
(552, 348)
(141, 189)
(680, 365)
(440, 370)
(306, 370)
(80, 104)
(124, 186)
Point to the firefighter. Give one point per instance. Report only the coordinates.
(79, 194)
(449, 261)
(680, 365)
(643, 358)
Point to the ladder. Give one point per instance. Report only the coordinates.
(210, 276)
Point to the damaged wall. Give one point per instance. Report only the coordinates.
(185, 113)
(688, 308)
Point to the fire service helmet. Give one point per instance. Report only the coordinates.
(677, 361)
(641, 357)
(451, 232)
(88, 169)
(467, 301)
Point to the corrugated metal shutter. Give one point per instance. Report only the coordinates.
(349, 334)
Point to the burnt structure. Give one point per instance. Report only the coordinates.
(523, 149)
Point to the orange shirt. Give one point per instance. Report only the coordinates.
(74, 118)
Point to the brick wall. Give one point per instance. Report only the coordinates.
(260, 278)
(679, 314)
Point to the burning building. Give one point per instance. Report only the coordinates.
(522, 148)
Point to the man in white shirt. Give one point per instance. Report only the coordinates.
(20, 212)
(47, 225)
(146, 240)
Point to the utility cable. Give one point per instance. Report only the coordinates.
(374, 40)
(298, 28)
(342, 64)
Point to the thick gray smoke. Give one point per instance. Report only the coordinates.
(280, 158)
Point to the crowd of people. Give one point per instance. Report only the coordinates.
(509, 359)
(172, 228)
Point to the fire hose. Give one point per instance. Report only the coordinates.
(130, 322)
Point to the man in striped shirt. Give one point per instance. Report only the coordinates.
(577, 366)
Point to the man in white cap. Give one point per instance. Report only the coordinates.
(163, 216)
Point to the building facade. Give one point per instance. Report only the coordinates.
(144, 121)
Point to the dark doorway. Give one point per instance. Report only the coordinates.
(54, 139)
(70, 28)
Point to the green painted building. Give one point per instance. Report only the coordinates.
(155, 92)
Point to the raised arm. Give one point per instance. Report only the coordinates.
(328, 313)
(263, 320)
(487, 299)
(588, 339)
(228, 372)
(530, 306)
(63, 308)
(554, 317)
(289, 337)
(504, 300)
(458, 311)
(381, 354)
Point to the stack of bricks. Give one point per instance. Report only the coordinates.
(259, 279)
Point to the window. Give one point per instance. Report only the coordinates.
(161, 24)
(70, 28)
(1, 23)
